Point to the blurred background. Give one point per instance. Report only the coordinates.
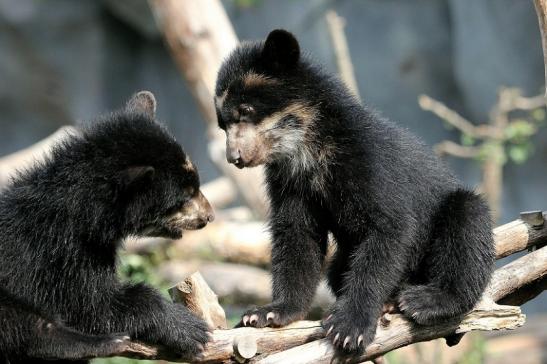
(415, 61)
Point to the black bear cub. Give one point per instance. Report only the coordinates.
(61, 224)
(405, 228)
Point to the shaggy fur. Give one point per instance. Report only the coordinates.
(404, 227)
(61, 223)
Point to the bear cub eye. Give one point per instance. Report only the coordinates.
(245, 111)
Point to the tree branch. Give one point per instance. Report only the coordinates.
(448, 147)
(541, 10)
(519, 235)
(303, 339)
(340, 44)
(455, 119)
(401, 332)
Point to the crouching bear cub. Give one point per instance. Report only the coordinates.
(405, 228)
(61, 224)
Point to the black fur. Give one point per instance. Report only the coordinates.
(61, 223)
(404, 227)
(27, 333)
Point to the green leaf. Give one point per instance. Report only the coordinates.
(467, 140)
(518, 154)
(519, 130)
(538, 114)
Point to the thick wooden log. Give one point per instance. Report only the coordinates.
(401, 332)
(520, 272)
(517, 236)
(302, 339)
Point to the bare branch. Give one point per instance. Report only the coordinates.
(455, 119)
(529, 103)
(448, 147)
(341, 50)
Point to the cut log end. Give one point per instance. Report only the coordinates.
(245, 347)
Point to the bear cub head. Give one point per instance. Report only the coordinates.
(263, 101)
(137, 171)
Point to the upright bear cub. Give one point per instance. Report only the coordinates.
(405, 228)
(61, 224)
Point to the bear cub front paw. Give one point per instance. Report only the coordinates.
(350, 330)
(185, 334)
(272, 315)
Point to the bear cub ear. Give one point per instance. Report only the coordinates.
(134, 177)
(281, 49)
(143, 102)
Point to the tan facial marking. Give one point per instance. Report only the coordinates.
(305, 113)
(255, 143)
(194, 214)
(245, 138)
(252, 79)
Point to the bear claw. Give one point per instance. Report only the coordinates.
(253, 319)
(346, 341)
